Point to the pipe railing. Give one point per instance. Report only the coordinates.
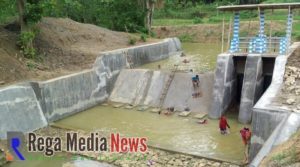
(270, 45)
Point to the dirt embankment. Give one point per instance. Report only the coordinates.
(64, 46)
(12, 66)
(289, 95)
(213, 32)
(286, 154)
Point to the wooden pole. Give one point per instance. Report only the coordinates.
(229, 34)
(223, 32)
(270, 35)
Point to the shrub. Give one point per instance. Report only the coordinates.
(185, 38)
(152, 34)
(197, 20)
(31, 65)
(26, 44)
(132, 41)
(143, 37)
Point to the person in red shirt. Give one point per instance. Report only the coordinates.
(246, 136)
(223, 125)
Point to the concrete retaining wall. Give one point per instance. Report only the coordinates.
(110, 63)
(29, 107)
(224, 89)
(146, 86)
(263, 124)
(19, 110)
(263, 107)
(70, 94)
(252, 86)
(289, 124)
(271, 124)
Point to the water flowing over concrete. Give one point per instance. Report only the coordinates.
(144, 87)
(31, 106)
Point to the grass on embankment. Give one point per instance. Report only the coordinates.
(207, 14)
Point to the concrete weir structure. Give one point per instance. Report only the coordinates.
(238, 79)
(250, 75)
(145, 87)
(30, 106)
(271, 124)
(244, 80)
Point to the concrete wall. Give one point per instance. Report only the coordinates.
(70, 94)
(289, 124)
(252, 86)
(146, 86)
(74, 93)
(110, 63)
(263, 124)
(181, 90)
(29, 107)
(224, 89)
(143, 88)
(271, 124)
(19, 110)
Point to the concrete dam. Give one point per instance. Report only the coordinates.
(248, 81)
(118, 95)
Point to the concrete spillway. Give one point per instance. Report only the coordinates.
(252, 82)
(239, 80)
(144, 87)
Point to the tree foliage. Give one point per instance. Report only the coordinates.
(120, 15)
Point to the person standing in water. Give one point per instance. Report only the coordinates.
(223, 124)
(246, 136)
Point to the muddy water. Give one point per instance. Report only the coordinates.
(201, 57)
(170, 132)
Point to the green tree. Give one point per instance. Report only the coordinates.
(30, 12)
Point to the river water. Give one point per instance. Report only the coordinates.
(177, 133)
(170, 132)
(201, 57)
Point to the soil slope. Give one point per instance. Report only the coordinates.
(70, 44)
(286, 154)
(213, 32)
(64, 46)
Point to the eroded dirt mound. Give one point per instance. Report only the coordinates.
(72, 45)
(64, 47)
(12, 65)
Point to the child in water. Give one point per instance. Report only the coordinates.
(223, 125)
